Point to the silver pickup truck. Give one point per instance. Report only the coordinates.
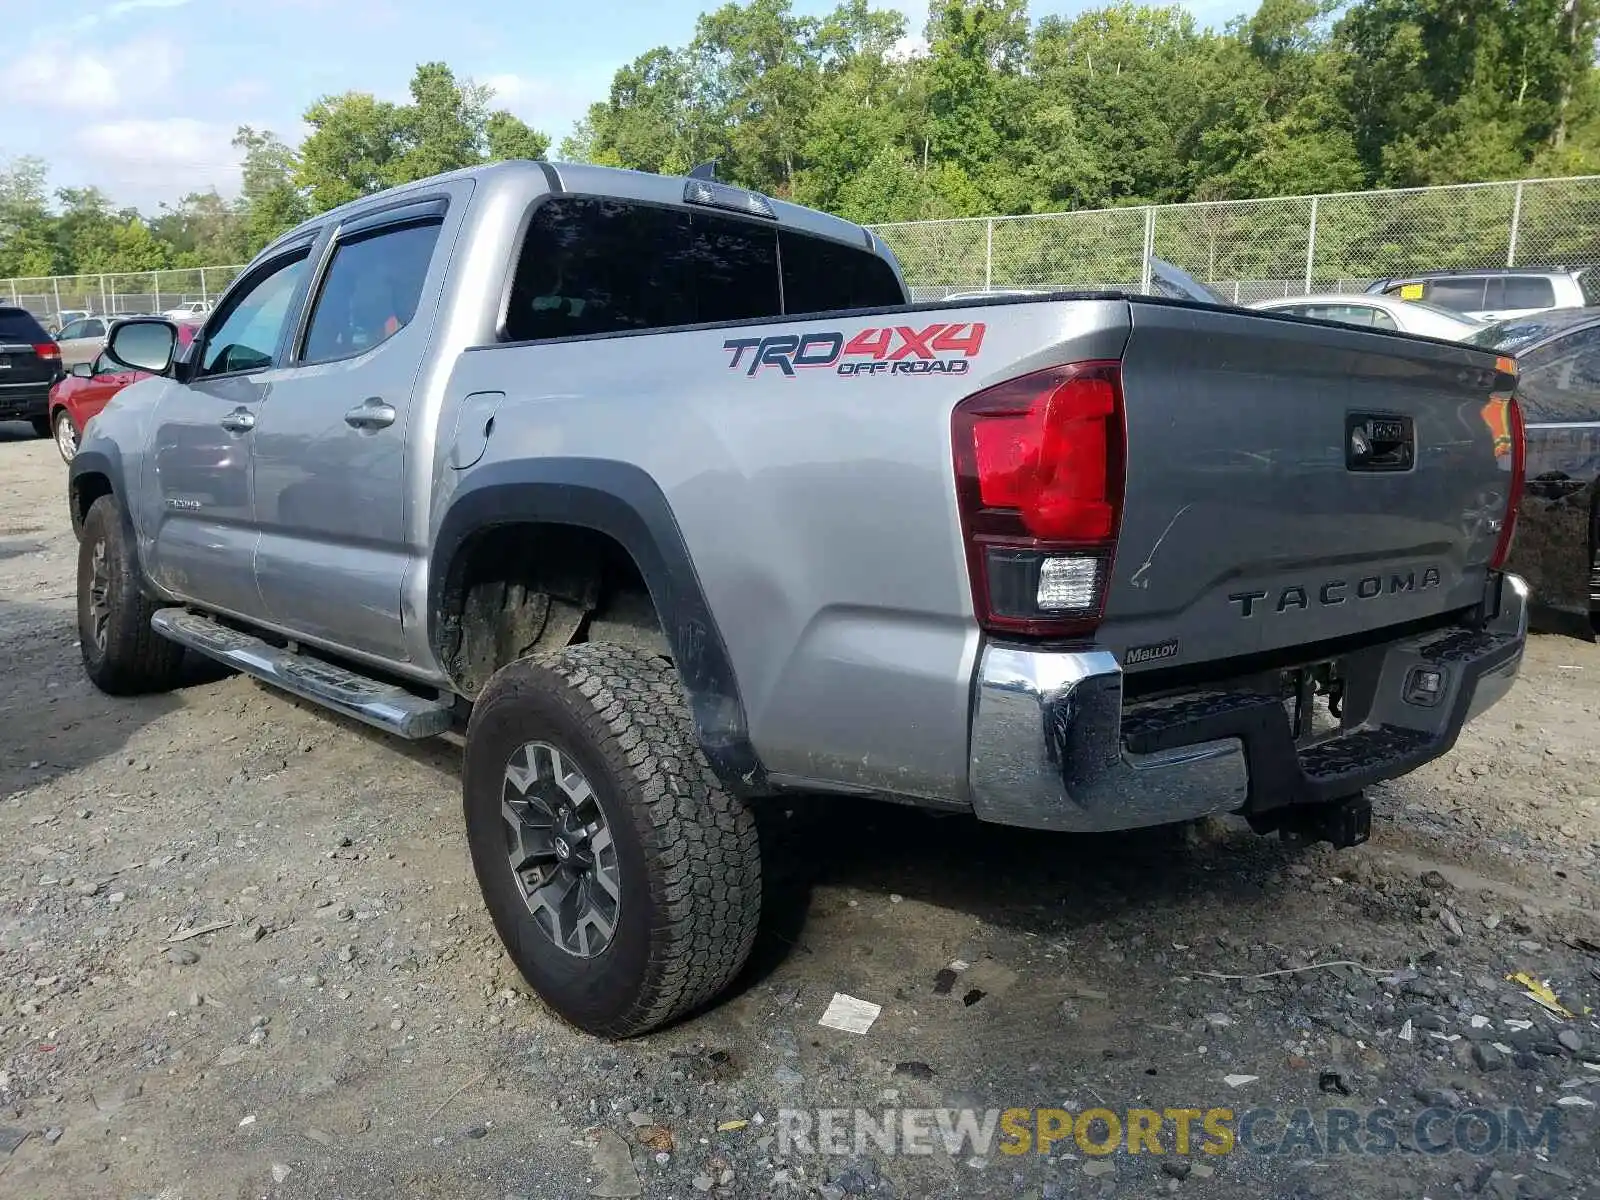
(662, 490)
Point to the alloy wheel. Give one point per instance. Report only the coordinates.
(560, 849)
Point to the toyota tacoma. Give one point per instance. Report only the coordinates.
(661, 491)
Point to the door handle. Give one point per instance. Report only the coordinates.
(372, 413)
(240, 420)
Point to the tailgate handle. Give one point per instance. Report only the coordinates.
(1379, 442)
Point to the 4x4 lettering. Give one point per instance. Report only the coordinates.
(912, 342)
(953, 339)
(874, 343)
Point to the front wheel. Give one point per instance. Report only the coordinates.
(41, 426)
(121, 653)
(65, 431)
(623, 878)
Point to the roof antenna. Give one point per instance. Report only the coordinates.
(706, 170)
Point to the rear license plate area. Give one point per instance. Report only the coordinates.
(1313, 701)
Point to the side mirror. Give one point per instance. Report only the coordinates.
(82, 370)
(143, 344)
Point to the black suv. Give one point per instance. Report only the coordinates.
(30, 364)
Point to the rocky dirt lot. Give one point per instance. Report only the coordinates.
(351, 1027)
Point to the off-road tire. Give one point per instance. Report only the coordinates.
(688, 855)
(132, 659)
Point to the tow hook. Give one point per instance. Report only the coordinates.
(1344, 823)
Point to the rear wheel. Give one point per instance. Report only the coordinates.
(65, 431)
(622, 877)
(121, 653)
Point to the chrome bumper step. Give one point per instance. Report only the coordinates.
(381, 705)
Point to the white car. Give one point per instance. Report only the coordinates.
(1378, 312)
(188, 310)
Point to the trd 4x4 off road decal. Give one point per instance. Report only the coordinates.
(896, 350)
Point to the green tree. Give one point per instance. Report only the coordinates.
(649, 121)
(204, 230)
(755, 74)
(508, 138)
(27, 238)
(270, 196)
(442, 129)
(355, 145)
(977, 92)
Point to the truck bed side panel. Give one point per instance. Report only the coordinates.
(818, 508)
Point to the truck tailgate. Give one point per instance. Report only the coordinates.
(1290, 483)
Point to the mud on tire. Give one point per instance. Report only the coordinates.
(121, 653)
(686, 860)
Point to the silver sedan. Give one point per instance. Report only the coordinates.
(1378, 312)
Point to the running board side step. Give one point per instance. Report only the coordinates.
(381, 705)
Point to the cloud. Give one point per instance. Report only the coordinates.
(551, 105)
(168, 156)
(87, 21)
(58, 74)
(909, 47)
(128, 6)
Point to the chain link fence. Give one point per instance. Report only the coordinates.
(1246, 250)
(52, 298)
(1250, 250)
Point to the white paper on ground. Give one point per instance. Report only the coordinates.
(849, 1014)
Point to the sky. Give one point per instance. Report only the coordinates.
(141, 97)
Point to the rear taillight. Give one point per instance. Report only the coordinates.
(1039, 482)
(1517, 454)
(48, 350)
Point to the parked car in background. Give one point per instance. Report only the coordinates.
(1377, 312)
(87, 388)
(29, 363)
(1498, 295)
(1557, 546)
(188, 310)
(81, 340)
(64, 318)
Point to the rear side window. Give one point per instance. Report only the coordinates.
(1520, 291)
(591, 265)
(1463, 295)
(18, 325)
(594, 265)
(371, 291)
(820, 275)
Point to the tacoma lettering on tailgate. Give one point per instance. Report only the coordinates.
(1338, 591)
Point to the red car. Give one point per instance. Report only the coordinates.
(85, 391)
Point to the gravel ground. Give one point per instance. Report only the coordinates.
(353, 1028)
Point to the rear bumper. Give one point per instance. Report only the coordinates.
(24, 401)
(1054, 747)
